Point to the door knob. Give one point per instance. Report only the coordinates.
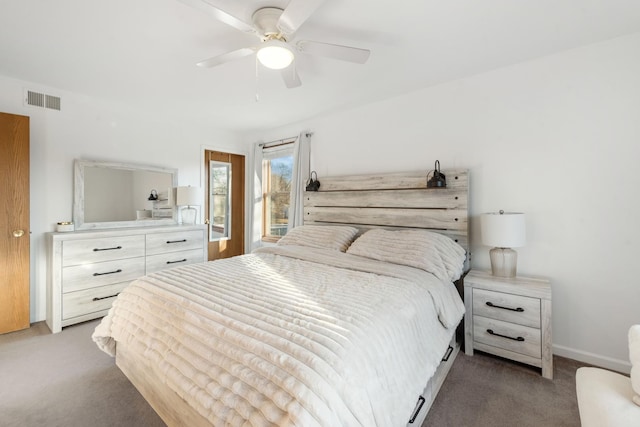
(18, 233)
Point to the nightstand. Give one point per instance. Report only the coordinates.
(510, 318)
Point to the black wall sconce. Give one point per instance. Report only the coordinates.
(437, 180)
(153, 195)
(313, 185)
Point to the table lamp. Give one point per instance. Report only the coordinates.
(503, 230)
(188, 196)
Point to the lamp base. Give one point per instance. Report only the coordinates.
(503, 262)
(188, 215)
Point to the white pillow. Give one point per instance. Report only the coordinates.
(634, 357)
(432, 252)
(336, 237)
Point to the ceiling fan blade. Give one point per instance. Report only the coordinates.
(290, 77)
(226, 57)
(296, 13)
(336, 51)
(207, 7)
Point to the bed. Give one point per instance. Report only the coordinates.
(343, 323)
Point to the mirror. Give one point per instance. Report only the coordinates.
(112, 195)
(219, 201)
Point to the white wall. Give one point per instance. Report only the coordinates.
(557, 138)
(89, 129)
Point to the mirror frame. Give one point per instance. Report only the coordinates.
(78, 195)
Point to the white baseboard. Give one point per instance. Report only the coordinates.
(617, 365)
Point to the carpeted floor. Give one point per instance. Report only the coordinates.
(487, 391)
(64, 380)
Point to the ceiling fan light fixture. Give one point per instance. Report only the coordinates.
(275, 54)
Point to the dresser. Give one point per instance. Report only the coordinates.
(510, 318)
(87, 269)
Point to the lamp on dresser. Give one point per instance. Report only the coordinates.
(503, 230)
(189, 197)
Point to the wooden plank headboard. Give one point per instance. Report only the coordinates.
(398, 200)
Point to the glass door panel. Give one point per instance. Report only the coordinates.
(219, 201)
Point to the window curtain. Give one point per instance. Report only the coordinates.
(300, 175)
(256, 198)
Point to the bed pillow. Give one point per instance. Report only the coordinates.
(432, 252)
(334, 237)
(634, 357)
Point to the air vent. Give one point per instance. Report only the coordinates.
(42, 100)
(34, 98)
(52, 102)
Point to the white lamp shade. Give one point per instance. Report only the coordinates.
(187, 196)
(275, 55)
(503, 229)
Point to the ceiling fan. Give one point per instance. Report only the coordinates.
(275, 28)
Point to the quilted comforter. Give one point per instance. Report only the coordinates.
(289, 336)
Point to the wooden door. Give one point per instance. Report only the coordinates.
(14, 222)
(224, 203)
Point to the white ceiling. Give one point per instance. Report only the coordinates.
(143, 52)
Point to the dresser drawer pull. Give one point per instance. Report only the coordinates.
(519, 309)
(108, 272)
(175, 262)
(106, 249)
(490, 332)
(110, 296)
(176, 241)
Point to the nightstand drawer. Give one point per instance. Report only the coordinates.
(508, 336)
(507, 307)
(517, 311)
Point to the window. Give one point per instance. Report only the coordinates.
(219, 200)
(277, 171)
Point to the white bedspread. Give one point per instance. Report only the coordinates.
(289, 336)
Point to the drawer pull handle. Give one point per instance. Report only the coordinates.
(447, 354)
(490, 332)
(175, 262)
(421, 401)
(519, 309)
(106, 249)
(108, 272)
(110, 296)
(176, 241)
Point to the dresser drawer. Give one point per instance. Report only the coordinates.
(173, 259)
(505, 336)
(160, 243)
(75, 252)
(79, 277)
(92, 300)
(86, 266)
(507, 307)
